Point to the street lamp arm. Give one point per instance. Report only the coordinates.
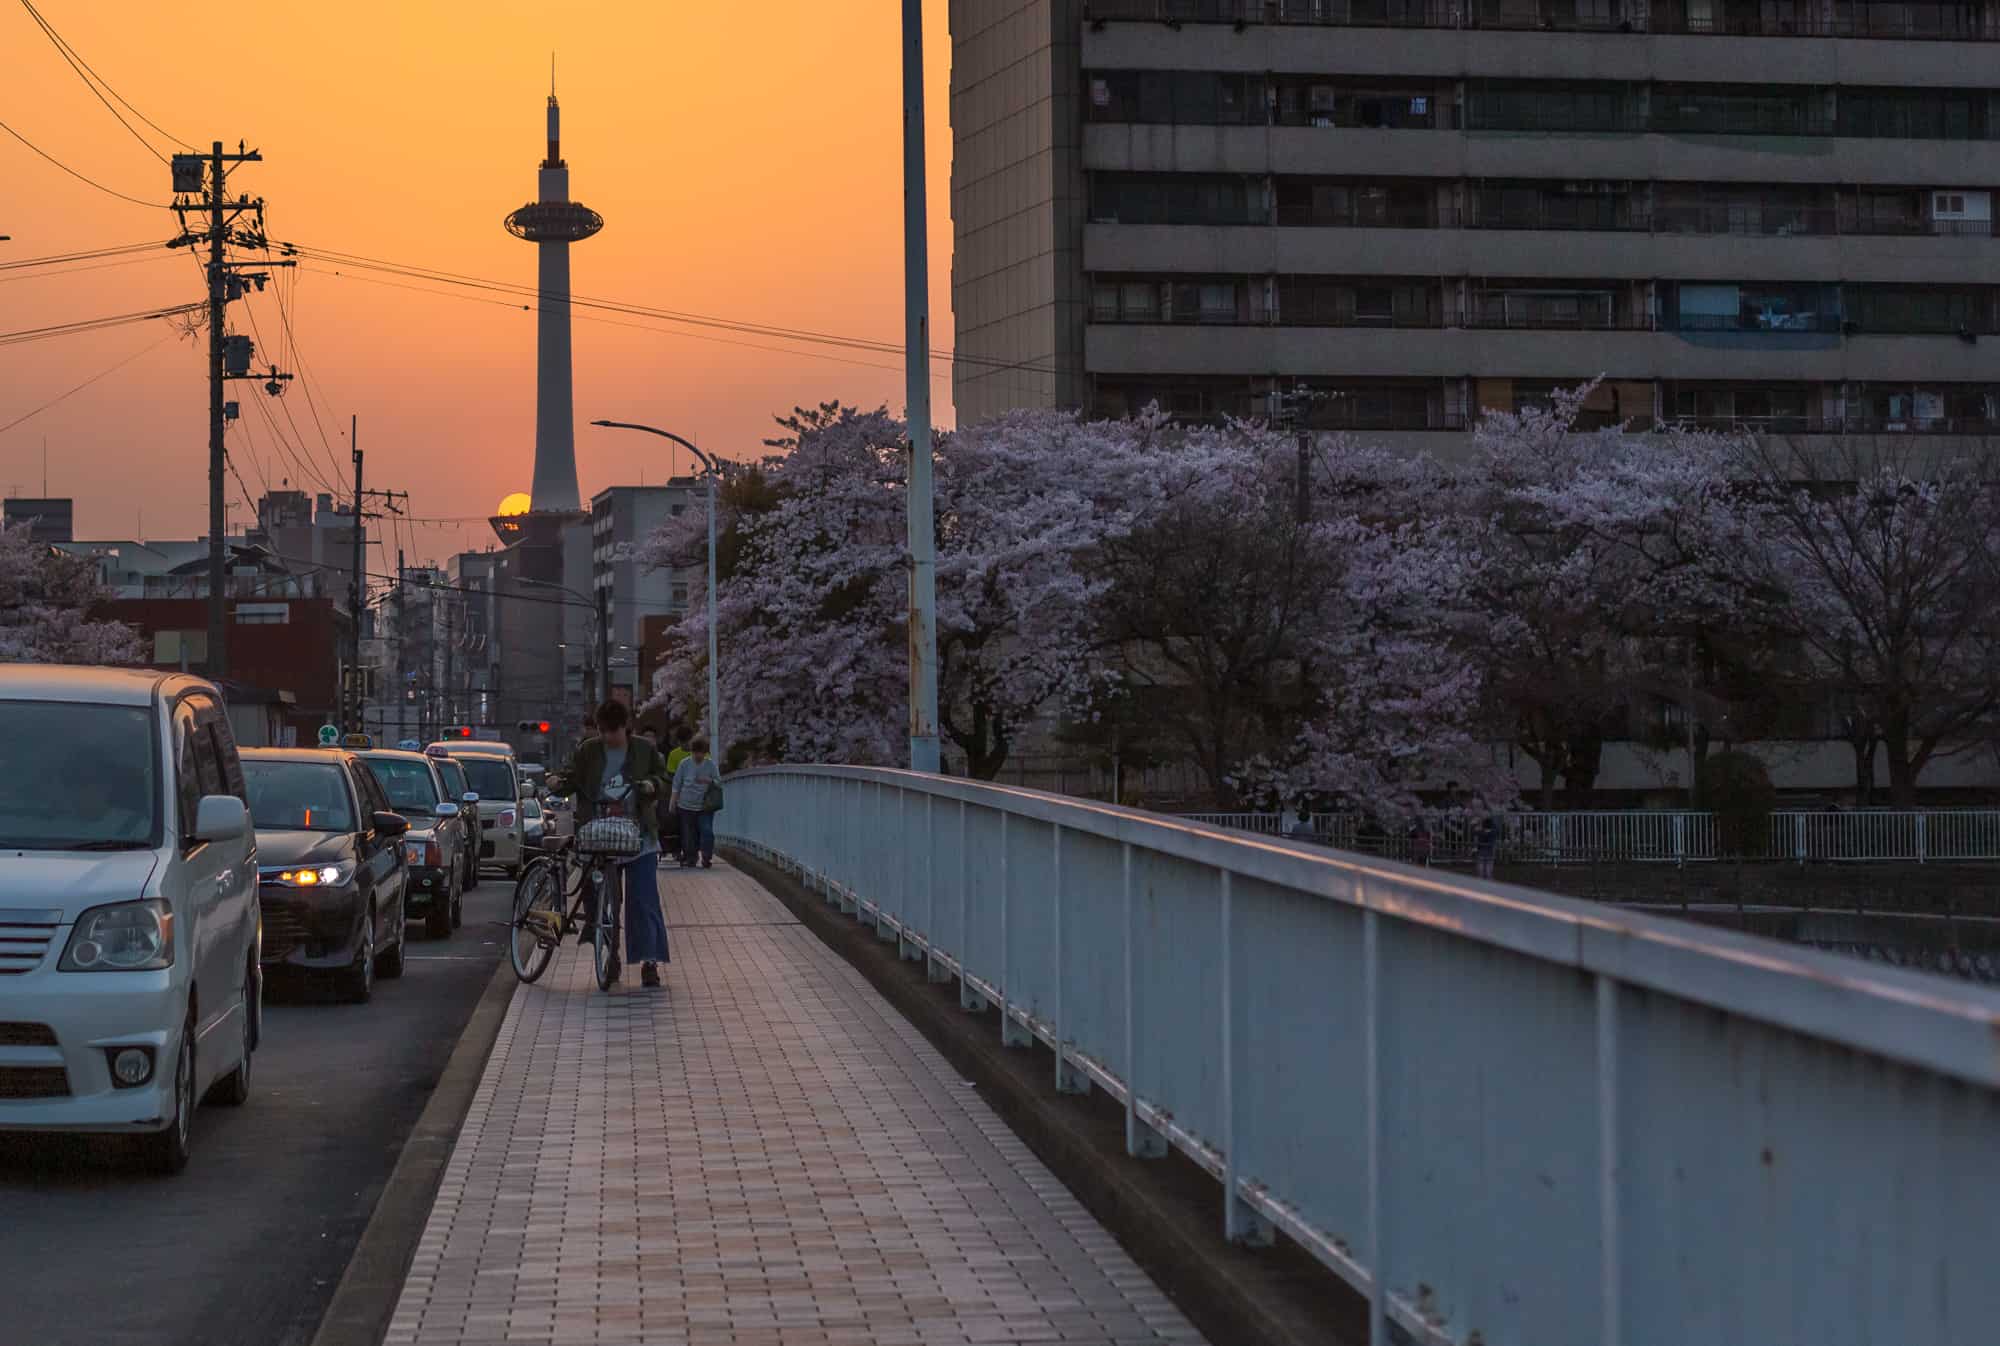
(707, 462)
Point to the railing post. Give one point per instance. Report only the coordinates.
(1011, 1033)
(1610, 1271)
(898, 847)
(934, 969)
(1240, 1223)
(1069, 1079)
(1801, 844)
(1141, 1140)
(1921, 838)
(969, 999)
(1680, 839)
(1371, 1089)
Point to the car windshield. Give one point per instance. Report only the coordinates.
(490, 777)
(298, 796)
(106, 796)
(408, 784)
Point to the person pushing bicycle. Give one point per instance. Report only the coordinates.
(619, 774)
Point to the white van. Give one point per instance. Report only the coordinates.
(497, 782)
(129, 932)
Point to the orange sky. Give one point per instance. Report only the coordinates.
(746, 158)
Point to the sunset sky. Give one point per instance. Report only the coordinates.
(746, 158)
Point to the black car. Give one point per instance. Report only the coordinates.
(436, 843)
(457, 787)
(332, 881)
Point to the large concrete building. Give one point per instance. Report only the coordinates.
(1759, 214)
(622, 519)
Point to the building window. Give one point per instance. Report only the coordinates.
(263, 614)
(680, 595)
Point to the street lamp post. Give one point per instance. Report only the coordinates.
(712, 470)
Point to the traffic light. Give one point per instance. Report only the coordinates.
(532, 726)
(459, 731)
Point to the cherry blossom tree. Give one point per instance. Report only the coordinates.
(1317, 656)
(45, 601)
(1596, 552)
(1887, 556)
(815, 593)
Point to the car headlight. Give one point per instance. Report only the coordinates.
(122, 937)
(312, 876)
(507, 817)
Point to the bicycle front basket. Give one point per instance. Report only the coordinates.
(610, 836)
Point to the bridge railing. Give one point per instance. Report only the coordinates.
(1673, 835)
(1504, 1117)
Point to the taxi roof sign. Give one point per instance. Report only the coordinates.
(329, 735)
(358, 741)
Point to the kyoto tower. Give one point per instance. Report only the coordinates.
(552, 223)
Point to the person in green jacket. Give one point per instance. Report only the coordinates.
(601, 772)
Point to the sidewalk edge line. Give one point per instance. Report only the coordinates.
(372, 1283)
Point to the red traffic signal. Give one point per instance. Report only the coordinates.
(541, 726)
(465, 731)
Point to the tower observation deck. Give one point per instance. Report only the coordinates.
(553, 222)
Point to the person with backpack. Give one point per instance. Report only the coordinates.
(697, 794)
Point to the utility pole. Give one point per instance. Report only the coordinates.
(354, 696)
(200, 188)
(924, 751)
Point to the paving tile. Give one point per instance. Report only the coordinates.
(764, 1154)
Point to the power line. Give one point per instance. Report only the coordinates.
(87, 255)
(78, 64)
(103, 373)
(92, 266)
(150, 205)
(613, 322)
(861, 344)
(27, 334)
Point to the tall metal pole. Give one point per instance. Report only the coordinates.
(218, 296)
(924, 752)
(357, 590)
(714, 698)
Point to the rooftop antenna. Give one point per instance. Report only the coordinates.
(552, 77)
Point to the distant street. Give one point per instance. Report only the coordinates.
(247, 1246)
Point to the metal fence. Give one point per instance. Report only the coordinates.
(1675, 836)
(1503, 1117)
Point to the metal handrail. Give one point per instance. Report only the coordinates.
(1452, 1092)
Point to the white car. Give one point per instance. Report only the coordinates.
(497, 782)
(129, 932)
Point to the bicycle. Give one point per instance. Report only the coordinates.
(554, 891)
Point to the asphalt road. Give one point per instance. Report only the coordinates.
(246, 1247)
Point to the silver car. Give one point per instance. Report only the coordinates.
(129, 934)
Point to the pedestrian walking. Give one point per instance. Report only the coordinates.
(1486, 845)
(619, 774)
(670, 823)
(697, 796)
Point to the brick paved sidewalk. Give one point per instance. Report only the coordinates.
(763, 1153)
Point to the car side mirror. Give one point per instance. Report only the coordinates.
(221, 818)
(447, 810)
(390, 824)
(468, 798)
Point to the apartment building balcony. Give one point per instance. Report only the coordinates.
(1874, 44)
(1256, 151)
(1439, 251)
(1619, 347)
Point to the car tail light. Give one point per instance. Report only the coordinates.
(508, 817)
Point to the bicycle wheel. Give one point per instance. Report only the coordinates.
(538, 919)
(610, 897)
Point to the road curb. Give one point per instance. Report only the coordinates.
(366, 1297)
(1166, 1213)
